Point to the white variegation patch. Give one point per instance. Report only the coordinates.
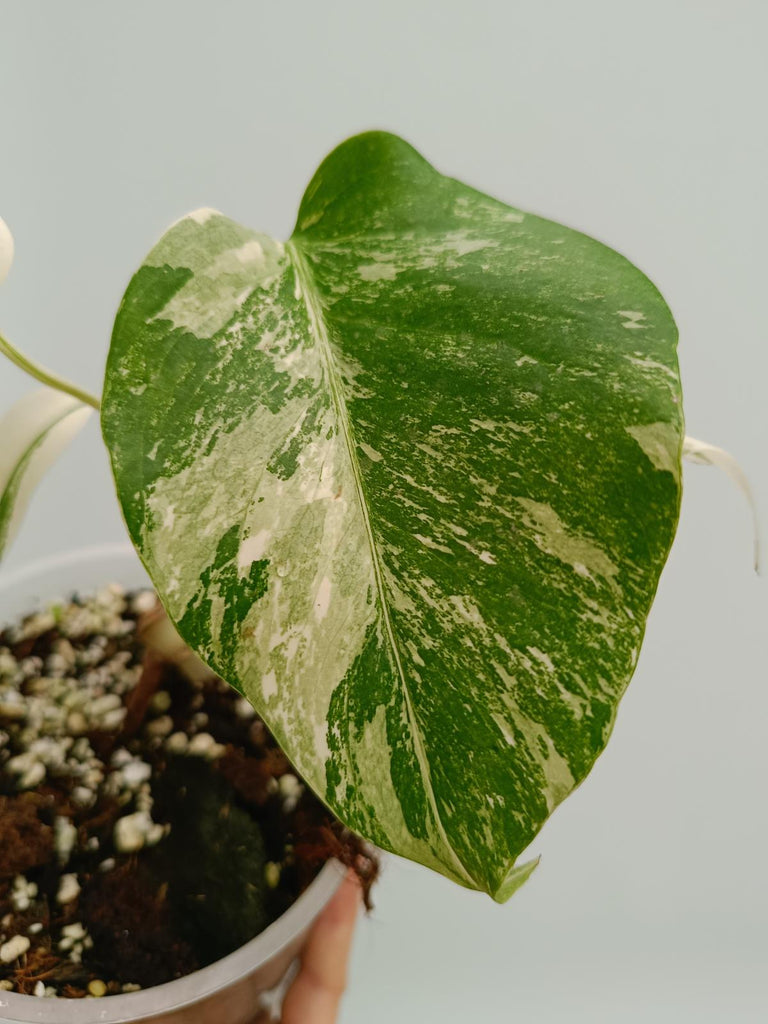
(661, 443)
(552, 536)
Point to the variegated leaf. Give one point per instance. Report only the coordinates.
(408, 482)
(33, 434)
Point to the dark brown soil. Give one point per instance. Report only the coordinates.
(25, 839)
(240, 837)
(130, 919)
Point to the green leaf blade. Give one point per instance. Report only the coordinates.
(409, 484)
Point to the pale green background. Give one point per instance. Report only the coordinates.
(641, 123)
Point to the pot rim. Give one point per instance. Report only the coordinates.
(199, 985)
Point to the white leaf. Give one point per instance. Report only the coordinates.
(6, 250)
(33, 434)
(708, 455)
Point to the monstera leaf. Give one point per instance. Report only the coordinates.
(408, 482)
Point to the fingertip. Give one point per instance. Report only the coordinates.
(346, 899)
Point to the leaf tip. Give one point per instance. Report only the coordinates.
(515, 878)
(200, 216)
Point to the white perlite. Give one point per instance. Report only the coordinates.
(66, 695)
(160, 727)
(161, 702)
(69, 889)
(290, 790)
(204, 745)
(177, 743)
(64, 838)
(135, 831)
(145, 601)
(83, 796)
(14, 948)
(74, 940)
(243, 708)
(130, 775)
(23, 893)
(100, 706)
(33, 776)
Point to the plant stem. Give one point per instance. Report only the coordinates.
(44, 376)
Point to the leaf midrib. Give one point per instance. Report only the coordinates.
(305, 281)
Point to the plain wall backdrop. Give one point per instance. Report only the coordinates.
(642, 124)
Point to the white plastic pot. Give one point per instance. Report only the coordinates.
(226, 992)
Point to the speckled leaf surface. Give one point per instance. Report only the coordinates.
(33, 433)
(408, 482)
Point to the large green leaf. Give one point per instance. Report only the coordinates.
(33, 433)
(408, 482)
